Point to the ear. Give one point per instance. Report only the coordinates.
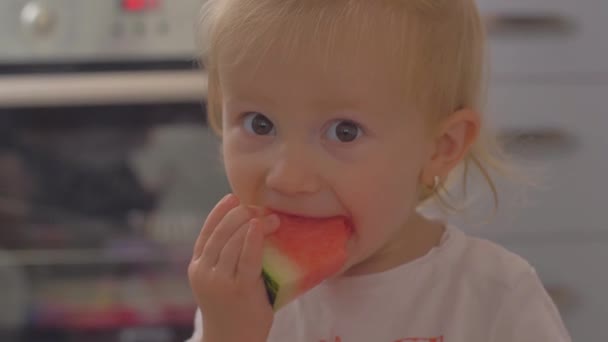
(455, 136)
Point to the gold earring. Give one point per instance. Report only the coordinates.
(436, 183)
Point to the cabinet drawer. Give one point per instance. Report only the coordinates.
(535, 38)
(562, 131)
(582, 110)
(572, 273)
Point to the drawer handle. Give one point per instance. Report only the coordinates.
(535, 142)
(528, 23)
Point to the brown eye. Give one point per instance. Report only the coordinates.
(344, 131)
(258, 124)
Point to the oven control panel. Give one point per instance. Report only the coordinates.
(48, 31)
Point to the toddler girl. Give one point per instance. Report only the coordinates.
(361, 109)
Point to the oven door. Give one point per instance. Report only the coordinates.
(105, 181)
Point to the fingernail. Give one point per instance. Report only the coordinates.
(254, 224)
(256, 211)
(273, 220)
(231, 199)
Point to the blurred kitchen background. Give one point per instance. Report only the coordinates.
(108, 169)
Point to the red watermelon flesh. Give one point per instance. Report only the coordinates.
(301, 254)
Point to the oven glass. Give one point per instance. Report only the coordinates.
(99, 208)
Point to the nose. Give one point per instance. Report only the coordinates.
(293, 173)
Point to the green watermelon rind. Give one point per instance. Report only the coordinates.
(279, 274)
(272, 287)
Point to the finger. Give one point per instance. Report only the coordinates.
(270, 225)
(220, 210)
(229, 256)
(250, 263)
(222, 233)
(259, 211)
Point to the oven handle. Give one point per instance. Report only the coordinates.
(103, 88)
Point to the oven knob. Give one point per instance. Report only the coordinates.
(38, 18)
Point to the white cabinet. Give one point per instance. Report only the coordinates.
(549, 90)
(541, 39)
(581, 109)
(575, 274)
(570, 161)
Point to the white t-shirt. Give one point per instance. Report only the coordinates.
(466, 289)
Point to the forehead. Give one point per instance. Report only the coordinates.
(306, 69)
(346, 63)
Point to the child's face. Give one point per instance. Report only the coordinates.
(314, 139)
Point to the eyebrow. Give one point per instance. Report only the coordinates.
(241, 94)
(249, 102)
(338, 104)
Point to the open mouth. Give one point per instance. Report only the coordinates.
(312, 219)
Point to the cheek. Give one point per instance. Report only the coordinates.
(381, 201)
(243, 172)
(386, 202)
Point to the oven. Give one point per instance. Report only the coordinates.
(107, 168)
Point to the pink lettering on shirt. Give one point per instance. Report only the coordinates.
(422, 339)
(407, 339)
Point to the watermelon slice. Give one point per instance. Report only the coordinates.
(301, 254)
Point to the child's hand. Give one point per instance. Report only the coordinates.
(225, 273)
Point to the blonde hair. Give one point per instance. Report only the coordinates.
(438, 47)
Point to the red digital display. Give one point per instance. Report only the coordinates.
(139, 5)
